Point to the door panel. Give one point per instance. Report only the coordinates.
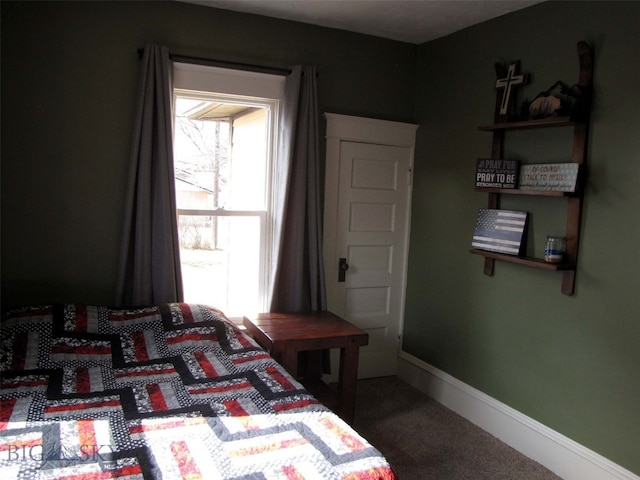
(372, 217)
(371, 174)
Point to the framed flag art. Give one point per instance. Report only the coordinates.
(500, 231)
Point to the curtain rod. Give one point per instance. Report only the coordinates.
(225, 64)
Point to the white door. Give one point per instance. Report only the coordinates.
(367, 227)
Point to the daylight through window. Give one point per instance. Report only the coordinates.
(222, 160)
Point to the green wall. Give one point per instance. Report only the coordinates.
(69, 75)
(571, 363)
(69, 81)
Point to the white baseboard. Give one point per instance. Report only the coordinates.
(563, 456)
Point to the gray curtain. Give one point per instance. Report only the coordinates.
(297, 273)
(150, 257)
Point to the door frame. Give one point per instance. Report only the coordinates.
(346, 128)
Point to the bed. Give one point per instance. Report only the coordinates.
(169, 391)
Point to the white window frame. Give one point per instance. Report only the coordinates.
(246, 88)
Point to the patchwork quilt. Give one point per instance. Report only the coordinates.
(172, 391)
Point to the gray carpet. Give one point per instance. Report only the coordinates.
(423, 440)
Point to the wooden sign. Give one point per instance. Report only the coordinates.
(558, 177)
(493, 173)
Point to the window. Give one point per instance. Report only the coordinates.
(225, 124)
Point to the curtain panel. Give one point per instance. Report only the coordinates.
(149, 271)
(297, 272)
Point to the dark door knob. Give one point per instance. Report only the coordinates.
(343, 266)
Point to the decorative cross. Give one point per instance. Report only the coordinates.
(512, 79)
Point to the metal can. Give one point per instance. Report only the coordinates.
(555, 249)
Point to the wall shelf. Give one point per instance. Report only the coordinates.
(526, 124)
(528, 261)
(499, 128)
(518, 191)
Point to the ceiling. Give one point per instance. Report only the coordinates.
(412, 21)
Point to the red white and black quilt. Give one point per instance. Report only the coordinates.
(173, 391)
